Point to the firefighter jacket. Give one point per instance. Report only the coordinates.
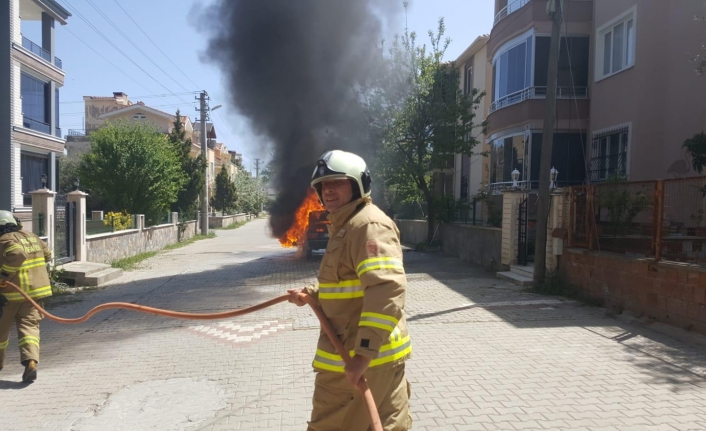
(23, 257)
(362, 287)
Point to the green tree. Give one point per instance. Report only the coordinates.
(421, 116)
(68, 172)
(250, 191)
(224, 196)
(133, 168)
(193, 168)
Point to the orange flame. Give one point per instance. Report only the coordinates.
(296, 235)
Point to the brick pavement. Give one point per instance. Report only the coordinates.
(487, 356)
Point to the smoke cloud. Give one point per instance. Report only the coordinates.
(292, 68)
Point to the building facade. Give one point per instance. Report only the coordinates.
(31, 77)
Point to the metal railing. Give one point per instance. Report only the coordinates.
(611, 165)
(37, 125)
(57, 132)
(511, 7)
(77, 132)
(663, 220)
(58, 63)
(537, 93)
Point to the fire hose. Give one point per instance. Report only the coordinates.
(325, 325)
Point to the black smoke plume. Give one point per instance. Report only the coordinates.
(293, 68)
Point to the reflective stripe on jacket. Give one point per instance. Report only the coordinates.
(23, 257)
(362, 287)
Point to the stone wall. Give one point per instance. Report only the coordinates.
(109, 247)
(478, 245)
(668, 292)
(215, 222)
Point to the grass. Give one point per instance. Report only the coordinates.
(129, 263)
(233, 226)
(189, 241)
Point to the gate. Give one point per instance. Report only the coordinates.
(522, 233)
(64, 229)
(526, 232)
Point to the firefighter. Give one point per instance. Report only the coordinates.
(23, 259)
(361, 289)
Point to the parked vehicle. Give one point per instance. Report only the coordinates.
(316, 232)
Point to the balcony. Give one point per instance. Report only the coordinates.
(537, 93)
(57, 132)
(39, 126)
(77, 132)
(40, 52)
(512, 6)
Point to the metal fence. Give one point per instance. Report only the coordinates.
(664, 220)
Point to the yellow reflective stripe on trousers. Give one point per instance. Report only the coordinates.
(346, 289)
(378, 263)
(29, 339)
(3, 345)
(40, 292)
(396, 350)
(10, 248)
(377, 320)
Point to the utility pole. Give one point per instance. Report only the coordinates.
(540, 246)
(204, 151)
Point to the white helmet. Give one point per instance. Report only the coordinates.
(337, 164)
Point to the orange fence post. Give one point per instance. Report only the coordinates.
(658, 219)
(590, 216)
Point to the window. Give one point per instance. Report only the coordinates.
(512, 70)
(468, 83)
(609, 152)
(573, 62)
(616, 49)
(32, 167)
(506, 155)
(35, 103)
(139, 117)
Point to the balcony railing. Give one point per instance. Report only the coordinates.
(36, 125)
(40, 52)
(511, 7)
(57, 132)
(77, 132)
(538, 93)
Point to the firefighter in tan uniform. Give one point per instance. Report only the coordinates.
(361, 289)
(23, 258)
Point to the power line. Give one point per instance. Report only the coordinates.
(101, 56)
(156, 46)
(148, 106)
(150, 96)
(133, 43)
(73, 8)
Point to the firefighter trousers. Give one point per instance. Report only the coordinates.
(338, 406)
(27, 319)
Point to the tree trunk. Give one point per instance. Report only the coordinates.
(431, 221)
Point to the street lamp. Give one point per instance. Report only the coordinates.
(76, 183)
(553, 173)
(515, 176)
(216, 107)
(44, 181)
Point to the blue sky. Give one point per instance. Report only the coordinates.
(170, 24)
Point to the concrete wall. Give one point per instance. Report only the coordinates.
(215, 222)
(412, 232)
(109, 247)
(672, 293)
(478, 245)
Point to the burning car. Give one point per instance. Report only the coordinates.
(317, 232)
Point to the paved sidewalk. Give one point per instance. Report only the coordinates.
(487, 356)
